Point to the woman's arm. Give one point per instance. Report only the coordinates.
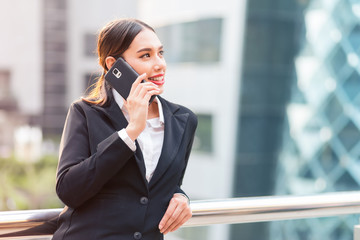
(80, 176)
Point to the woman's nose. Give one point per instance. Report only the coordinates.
(160, 64)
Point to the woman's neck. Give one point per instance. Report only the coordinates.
(153, 111)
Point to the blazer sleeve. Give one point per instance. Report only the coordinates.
(79, 175)
(192, 128)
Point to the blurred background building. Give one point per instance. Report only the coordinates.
(274, 83)
(321, 151)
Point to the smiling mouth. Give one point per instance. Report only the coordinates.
(157, 80)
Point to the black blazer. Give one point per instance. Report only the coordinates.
(102, 182)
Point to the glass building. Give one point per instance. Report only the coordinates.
(321, 150)
(299, 115)
(273, 38)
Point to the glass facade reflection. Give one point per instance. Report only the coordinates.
(195, 41)
(273, 38)
(321, 148)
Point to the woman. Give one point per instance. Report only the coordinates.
(122, 161)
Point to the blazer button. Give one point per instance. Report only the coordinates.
(144, 200)
(137, 235)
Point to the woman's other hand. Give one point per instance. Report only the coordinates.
(137, 105)
(177, 213)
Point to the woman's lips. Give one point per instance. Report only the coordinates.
(158, 80)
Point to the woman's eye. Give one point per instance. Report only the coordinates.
(147, 55)
(161, 52)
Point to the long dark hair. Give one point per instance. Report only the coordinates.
(113, 40)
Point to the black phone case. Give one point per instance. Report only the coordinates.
(121, 76)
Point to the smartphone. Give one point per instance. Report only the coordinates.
(121, 76)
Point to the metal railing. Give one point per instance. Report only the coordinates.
(17, 224)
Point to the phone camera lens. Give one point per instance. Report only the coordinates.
(117, 73)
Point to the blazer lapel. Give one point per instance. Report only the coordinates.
(117, 118)
(173, 134)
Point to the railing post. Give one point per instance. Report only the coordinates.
(357, 232)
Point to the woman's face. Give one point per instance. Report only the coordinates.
(145, 55)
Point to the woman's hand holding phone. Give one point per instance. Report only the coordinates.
(137, 105)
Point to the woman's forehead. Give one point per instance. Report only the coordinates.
(145, 39)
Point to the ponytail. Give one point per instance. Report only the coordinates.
(98, 94)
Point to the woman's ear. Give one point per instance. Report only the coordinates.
(109, 61)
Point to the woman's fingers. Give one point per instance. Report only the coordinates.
(177, 214)
(143, 90)
(137, 82)
(183, 217)
(147, 90)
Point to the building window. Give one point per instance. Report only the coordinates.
(197, 41)
(90, 43)
(204, 134)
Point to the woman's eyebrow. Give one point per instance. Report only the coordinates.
(149, 49)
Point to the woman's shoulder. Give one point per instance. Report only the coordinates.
(84, 103)
(80, 105)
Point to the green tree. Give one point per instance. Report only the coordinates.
(26, 185)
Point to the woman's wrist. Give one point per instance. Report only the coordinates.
(132, 131)
(184, 196)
